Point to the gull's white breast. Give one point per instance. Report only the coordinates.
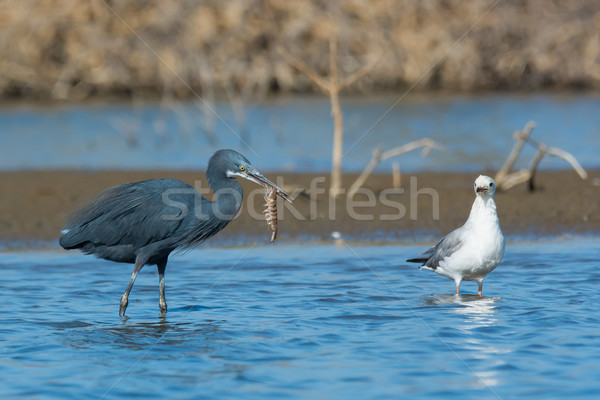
(481, 252)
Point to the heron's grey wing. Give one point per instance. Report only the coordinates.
(444, 248)
(129, 214)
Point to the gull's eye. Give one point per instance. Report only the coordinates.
(242, 168)
(492, 184)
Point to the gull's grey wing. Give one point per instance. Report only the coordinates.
(444, 248)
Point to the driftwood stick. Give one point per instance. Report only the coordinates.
(379, 156)
(305, 69)
(560, 153)
(514, 179)
(521, 137)
(338, 122)
(396, 176)
(333, 67)
(555, 152)
(332, 88)
(358, 74)
(534, 165)
(425, 143)
(568, 157)
(506, 180)
(366, 173)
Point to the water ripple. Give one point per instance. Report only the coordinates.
(322, 325)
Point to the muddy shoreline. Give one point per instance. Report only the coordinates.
(36, 204)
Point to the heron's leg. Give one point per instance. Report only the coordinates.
(162, 303)
(124, 299)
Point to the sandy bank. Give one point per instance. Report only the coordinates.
(35, 205)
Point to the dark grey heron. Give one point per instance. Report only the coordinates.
(143, 222)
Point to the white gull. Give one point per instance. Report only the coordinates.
(472, 251)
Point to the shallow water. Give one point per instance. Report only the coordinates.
(294, 134)
(302, 321)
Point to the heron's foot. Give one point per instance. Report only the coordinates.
(123, 306)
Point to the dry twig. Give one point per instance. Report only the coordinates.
(506, 180)
(332, 87)
(379, 156)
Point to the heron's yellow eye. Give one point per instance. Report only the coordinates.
(242, 168)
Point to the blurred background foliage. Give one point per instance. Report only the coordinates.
(74, 49)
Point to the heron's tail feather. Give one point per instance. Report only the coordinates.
(71, 238)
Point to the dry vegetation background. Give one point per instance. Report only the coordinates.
(77, 49)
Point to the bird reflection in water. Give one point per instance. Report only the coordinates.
(480, 315)
(479, 311)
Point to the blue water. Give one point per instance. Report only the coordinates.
(295, 134)
(302, 321)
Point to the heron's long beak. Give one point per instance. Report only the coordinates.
(259, 178)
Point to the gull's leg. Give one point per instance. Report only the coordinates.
(162, 303)
(457, 286)
(480, 291)
(124, 299)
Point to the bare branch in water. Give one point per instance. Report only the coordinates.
(332, 88)
(379, 156)
(506, 180)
